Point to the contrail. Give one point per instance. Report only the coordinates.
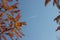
(32, 17)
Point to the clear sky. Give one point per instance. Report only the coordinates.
(39, 19)
(40, 24)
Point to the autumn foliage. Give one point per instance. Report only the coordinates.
(9, 24)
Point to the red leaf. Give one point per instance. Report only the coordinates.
(46, 2)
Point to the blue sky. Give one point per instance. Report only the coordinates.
(40, 24)
(39, 19)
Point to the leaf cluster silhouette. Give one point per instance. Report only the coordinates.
(14, 25)
(55, 2)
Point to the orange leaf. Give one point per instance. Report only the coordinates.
(12, 7)
(17, 17)
(4, 4)
(2, 14)
(10, 18)
(17, 25)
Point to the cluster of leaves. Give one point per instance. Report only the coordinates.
(57, 2)
(14, 25)
(57, 19)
